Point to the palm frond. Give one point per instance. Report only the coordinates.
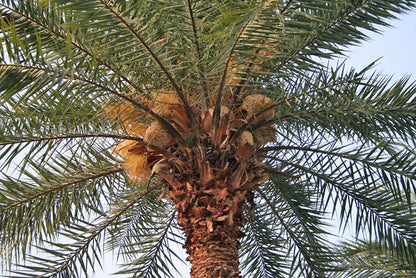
(371, 191)
(36, 205)
(263, 249)
(366, 259)
(308, 257)
(149, 249)
(350, 104)
(78, 258)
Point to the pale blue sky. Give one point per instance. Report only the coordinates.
(396, 46)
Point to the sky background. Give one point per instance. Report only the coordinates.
(396, 48)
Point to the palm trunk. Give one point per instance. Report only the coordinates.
(211, 220)
(209, 186)
(210, 210)
(213, 254)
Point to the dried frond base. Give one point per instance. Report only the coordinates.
(209, 116)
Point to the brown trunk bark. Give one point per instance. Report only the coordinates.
(214, 254)
(211, 219)
(210, 191)
(212, 227)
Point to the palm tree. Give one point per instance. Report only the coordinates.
(127, 126)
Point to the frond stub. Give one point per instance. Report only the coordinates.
(209, 115)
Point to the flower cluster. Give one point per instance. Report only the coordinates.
(246, 125)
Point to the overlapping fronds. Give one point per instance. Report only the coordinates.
(35, 206)
(99, 98)
(301, 226)
(149, 250)
(285, 239)
(262, 250)
(366, 259)
(351, 104)
(369, 190)
(79, 250)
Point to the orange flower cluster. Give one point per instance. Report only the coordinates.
(136, 153)
(258, 108)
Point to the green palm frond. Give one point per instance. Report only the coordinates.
(35, 206)
(371, 191)
(150, 249)
(263, 249)
(82, 253)
(301, 225)
(142, 238)
(366, 259)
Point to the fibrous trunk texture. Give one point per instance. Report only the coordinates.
(211, 218)
(213, 254)
(210, 192)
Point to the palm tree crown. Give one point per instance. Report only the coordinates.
(127, 126)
